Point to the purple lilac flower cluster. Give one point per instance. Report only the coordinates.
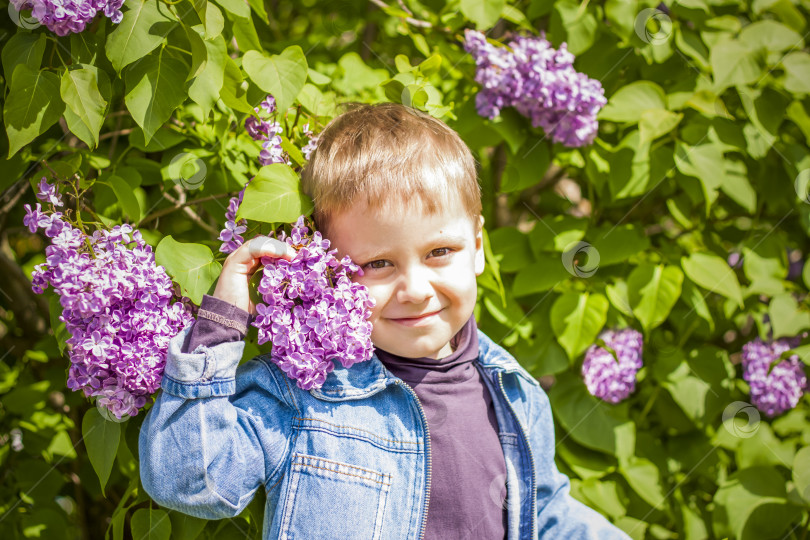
(780, 390)
(607, 379)
(540, 82)
(65, 16)
(313, 312)
(231, 235)
(311, 144)
(117, 306)
(268, 133)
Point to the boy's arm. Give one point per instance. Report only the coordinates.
(559, 515)
(211, 438)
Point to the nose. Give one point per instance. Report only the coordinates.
(415, 286)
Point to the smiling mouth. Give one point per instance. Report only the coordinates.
(416, 321)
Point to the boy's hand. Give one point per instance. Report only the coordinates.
(232, 285)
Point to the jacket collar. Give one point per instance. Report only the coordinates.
(364, 379)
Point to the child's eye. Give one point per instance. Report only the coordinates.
(441, 252)
(376, 265)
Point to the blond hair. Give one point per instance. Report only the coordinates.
(387, 153)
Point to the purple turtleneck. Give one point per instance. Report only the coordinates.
(468, 470)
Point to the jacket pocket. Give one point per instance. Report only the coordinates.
(330, 499)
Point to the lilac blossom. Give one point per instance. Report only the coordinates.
(539, 82)
(117, 305)
(606, 378)
(65, 16)
(780, 390)
(313, 312)
(231, 235)
(311, 144)
(269, 133)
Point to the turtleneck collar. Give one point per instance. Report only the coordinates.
(457, 367)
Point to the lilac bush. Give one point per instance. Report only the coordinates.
(117, 304)
(780, 390)
(65, 16)
(313, 313)
(539, 82)
(606, 378)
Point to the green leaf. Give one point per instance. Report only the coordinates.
(787, 320)
(629, 167)
(653, 291)
(733, 64)
(617, 243)
(85, 103)
(590, 421)
(232, 93)
(186, 527)
(573, 23)
(274, 196)
(282, 75)
(576, 319)
(511, 247)
(23, 48)
(583, 461)
(713, 273)
(737, 186)
(191, 265)
(797, 72)
(527, 167)
(484, 13)
(605, 495)
(155, 88)
(541, 276)
(206, 86)
(770, 35)
(144, 26)
(126, 197)
(60, 332)
(656, 122)
(801, 472)
(706, 163)
(752, 504)
(645, 479)
(627, 104)
(32, 106)
(619, 297)
(149, 524)
(101, 438)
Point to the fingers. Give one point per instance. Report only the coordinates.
(263, 246)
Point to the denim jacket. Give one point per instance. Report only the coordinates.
(348, 460)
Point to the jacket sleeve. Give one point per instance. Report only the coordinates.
(559, 515)
(216, 432)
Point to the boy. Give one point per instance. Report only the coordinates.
(442, 434)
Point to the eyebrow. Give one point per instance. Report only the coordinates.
(443, 239)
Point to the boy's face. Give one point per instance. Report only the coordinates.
(420, 269)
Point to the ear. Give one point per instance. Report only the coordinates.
(480, 261)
